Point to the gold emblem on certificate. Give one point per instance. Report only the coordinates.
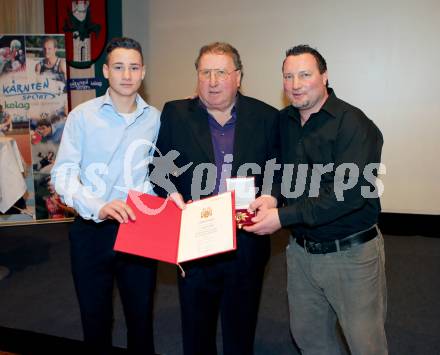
(244, 188)
(206, 213)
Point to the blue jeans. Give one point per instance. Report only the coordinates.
(348, 286)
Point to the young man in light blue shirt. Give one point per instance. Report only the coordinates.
(104, 151)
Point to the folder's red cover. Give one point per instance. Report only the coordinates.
(153, 235)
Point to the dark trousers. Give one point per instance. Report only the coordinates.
(95, 266)
(229, 285)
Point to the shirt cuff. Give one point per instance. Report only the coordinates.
(95, 212)
(89, 208)
(289, 215)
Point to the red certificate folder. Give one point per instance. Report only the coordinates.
(162, 231)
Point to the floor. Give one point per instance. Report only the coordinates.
(38, 295)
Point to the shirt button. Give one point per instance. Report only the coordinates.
(223, 152)
(222, 134)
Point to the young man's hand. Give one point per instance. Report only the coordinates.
(117, 210)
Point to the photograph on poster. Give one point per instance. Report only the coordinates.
(12, 54)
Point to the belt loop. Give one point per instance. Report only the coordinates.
(337, 245)
(305, 246)
(378, 232)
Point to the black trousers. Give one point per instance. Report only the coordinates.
(228, 285)
(95, 267)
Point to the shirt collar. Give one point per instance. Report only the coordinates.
(141, 105)
(230, 123)
(212, 121)
(233, 109)
(331, 106)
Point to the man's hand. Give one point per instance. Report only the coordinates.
(117, 210)
(178, 200)
(263, 203)
(266, 221)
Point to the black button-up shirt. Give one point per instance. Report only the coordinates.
(317, 203)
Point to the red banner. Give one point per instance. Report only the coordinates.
(84, 24)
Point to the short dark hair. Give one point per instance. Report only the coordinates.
(221, 48)
(122, 42)
(305, 48)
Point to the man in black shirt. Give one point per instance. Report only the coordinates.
(335, 260)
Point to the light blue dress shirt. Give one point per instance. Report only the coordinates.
(102, 154)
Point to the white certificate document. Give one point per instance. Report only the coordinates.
(207, 227)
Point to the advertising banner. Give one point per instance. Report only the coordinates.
(33, 111)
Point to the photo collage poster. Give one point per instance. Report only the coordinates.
(34, 107)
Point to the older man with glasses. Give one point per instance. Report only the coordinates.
(215, 128)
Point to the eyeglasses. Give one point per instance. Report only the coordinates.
(219, 74)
